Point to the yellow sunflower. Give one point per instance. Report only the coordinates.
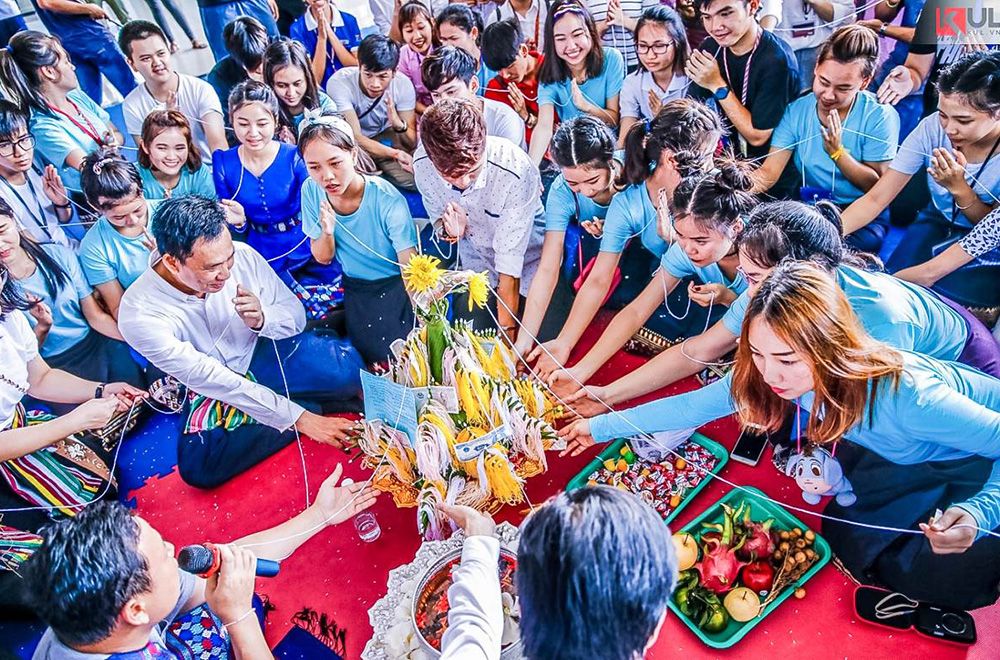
(422, 273)
(479, 290)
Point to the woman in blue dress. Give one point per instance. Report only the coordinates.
(917, 436)
(260, 183)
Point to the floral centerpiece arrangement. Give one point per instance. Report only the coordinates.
(482, 430)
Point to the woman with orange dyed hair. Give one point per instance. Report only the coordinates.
(922, 434)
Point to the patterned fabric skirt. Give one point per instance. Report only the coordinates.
(59, 480)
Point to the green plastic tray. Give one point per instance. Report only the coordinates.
(580, 480)
(761, 510)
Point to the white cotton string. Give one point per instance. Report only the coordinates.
(652, 439)
(850, 17)
(298, 438)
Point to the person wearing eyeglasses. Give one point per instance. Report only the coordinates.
(37, 196)
(663, 49)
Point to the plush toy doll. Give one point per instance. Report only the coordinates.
(819, 474)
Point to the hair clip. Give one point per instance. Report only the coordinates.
(336, 122)
(10, 49)
(99, 165)
(568, 8)
(648, 123)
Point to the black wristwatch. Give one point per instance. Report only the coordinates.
(99, 392)
(405, 128)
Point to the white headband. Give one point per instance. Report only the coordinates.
(336, 122)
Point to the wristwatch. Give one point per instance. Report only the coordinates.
(99, 392)
(721, 93)
(401, 130)
(882, 30)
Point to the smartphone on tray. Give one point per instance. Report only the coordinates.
(750, 446)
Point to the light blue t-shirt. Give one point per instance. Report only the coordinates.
(915, 154)
(942, 411)
(678, 264)
(107, 255)
(69, 325)
(564, 205)
(631, 215)
(198, 182)
(903, 315)
(56, 137)
(596, 90)
(382, 223)
(871, 133)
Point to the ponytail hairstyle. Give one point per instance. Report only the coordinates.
(107, 179)
(158, 121)
(553, 69)
(688, 129)
(803, 305)
(21, 62)
(722, 198)
(11, 295)
(976, 77)
(667, 17)
(583, 141)
(335, 131)
(282, 53)
(793, 230)
(851, 43)
(253, 91)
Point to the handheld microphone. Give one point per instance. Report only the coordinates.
(204, 561)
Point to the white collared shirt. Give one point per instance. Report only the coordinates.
(532, 22)
(475, 615)
(506, 226)
(502, 121)
(203, 342)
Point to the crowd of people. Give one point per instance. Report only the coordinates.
(722, 173)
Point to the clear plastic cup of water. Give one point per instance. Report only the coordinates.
(365, 522)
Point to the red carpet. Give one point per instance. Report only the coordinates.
(337, 574)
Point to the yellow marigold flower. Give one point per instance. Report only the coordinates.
(479, 290)
(422, 273)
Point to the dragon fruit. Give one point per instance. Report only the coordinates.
(719, 568)
(758, 542)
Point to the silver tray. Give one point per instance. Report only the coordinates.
(395, 636)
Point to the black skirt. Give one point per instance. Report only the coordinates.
(902, 496)
(377, 312)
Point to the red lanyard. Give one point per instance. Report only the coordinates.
(746, 71)
(91, 133)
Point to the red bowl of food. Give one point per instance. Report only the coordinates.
(430, 603)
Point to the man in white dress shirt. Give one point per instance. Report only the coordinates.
(564, 579)
(485, 194)
(450, 73)
(215, 316)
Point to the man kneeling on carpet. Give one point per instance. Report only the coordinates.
(108, 585)
(595, 570)
(215, 316)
